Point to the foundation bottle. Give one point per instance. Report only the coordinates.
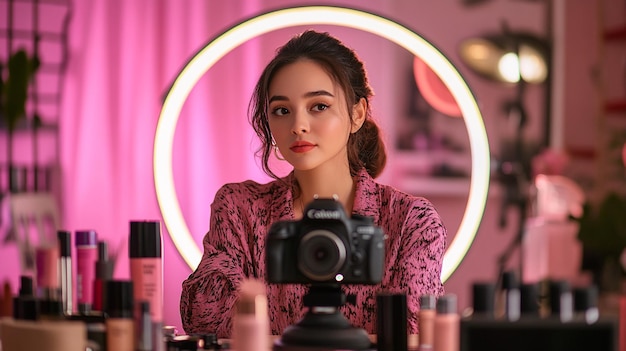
(120, 324)
(426, 322)
(146, 271)
(447, 324)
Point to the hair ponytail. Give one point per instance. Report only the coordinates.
(367, 149)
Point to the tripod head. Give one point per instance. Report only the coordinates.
(324, 327)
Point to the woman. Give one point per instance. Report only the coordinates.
(311, 107)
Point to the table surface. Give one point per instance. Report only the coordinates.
(412, 342)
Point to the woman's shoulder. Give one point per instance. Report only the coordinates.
(249, 191)
(416, 207)
(249, 187)
(393, 196)
(408, 213)
(374, 196)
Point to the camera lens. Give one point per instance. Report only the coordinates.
(321, 255)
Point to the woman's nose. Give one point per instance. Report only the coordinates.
(300, 124)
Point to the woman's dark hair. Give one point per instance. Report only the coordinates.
(365, 147)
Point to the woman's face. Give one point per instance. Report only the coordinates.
(308, 117)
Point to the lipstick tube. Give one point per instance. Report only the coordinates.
(561, 300)
(104, 272)
(86, 257)
(65, 271)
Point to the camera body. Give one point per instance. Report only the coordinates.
(325, 246)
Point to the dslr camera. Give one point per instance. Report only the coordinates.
(325, 246)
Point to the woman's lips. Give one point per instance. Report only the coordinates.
(301, 146)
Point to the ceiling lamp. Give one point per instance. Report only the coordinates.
(508, 58)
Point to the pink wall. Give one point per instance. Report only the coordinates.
(199, 169)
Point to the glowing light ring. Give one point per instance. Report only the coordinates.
(319, 15)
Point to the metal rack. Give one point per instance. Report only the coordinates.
(40, 27)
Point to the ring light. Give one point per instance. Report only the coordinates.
(202, 61)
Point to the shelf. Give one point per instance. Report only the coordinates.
(27, 126)
(434, 186)
(28, 34)
(42, 2)
(618, 33)
(581, 153)
(440, 186)
(45, 98)
(615, 106)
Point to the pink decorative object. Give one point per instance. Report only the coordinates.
(551, 251)
(434, 91)
(558, 197)
(550, 162)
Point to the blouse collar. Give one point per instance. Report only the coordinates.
(366, 201)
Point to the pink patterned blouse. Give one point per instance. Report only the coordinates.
(234, 248)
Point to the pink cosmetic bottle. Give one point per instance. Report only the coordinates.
(427, 315)
(447, 325)
(86, 256)
(146, 271)
(251, 323)
(47, 262)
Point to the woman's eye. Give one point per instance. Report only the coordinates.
(320, 107)
(280, 111)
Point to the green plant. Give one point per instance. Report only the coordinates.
(14, 83)
(602, 233)
(15, 78)
(603, 228)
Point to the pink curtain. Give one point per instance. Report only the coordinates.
(123, 57)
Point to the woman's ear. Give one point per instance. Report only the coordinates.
(359, 112)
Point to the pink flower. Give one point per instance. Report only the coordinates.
(550, 162)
